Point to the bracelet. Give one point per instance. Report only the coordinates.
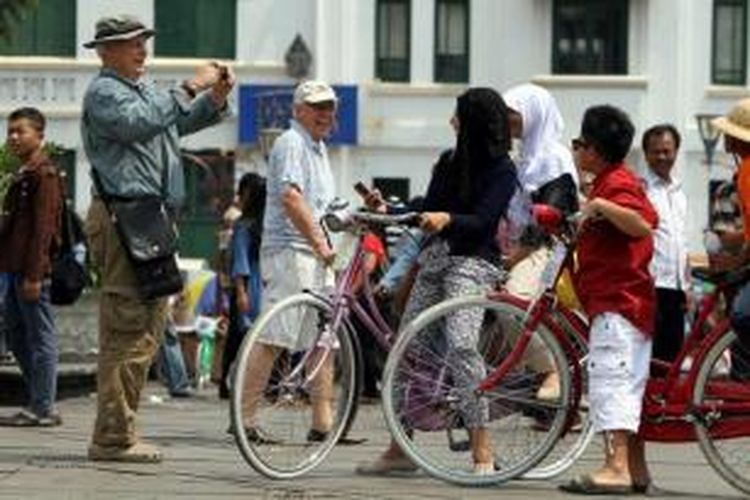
(188, 88)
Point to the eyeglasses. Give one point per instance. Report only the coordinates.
(579, 144)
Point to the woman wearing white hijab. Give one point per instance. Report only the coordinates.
(547, 174)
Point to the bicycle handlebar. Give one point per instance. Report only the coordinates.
(405, 219)
(338, 220)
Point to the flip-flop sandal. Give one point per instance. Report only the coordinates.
(386, 467)
(584, 485)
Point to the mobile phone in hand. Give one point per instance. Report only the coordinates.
(362, 189)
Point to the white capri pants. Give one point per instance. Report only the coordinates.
(618, 366)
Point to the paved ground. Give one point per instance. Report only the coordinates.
(201, 461)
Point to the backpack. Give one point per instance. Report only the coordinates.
(69, 276)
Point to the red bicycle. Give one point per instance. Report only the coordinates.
(708, 402)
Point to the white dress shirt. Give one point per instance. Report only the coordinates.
(669, 266)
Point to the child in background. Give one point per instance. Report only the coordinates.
(244, 270)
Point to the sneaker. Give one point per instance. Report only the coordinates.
(23, 418)
(182, 393)
(51, 420)
(27, 418)
(316, 436)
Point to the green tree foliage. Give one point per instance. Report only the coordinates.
(10, 163)
(12, 12)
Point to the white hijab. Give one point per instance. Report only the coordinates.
(543, 157)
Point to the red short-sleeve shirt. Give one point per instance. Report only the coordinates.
(613, 274)
(373, 245)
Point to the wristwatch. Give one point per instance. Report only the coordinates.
(189, 88)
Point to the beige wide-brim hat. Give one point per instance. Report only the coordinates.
(737, 122)
(117, 28)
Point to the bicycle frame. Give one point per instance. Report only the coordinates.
(668, 413)
(539, 311)
(344, 301)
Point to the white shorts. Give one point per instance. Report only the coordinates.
(618, 368)
(287, 272)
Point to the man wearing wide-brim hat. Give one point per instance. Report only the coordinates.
(131, 134)
(736, 129)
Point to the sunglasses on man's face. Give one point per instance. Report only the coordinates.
(322, 106)
(579, 144)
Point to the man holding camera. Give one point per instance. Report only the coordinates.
(131, 134)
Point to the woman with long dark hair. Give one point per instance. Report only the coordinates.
(469, 191)
(246, 287)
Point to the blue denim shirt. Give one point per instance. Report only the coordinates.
(245, 264)
(296, 160)
(131, 134)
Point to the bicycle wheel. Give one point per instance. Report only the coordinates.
(724, 434)
(425, 410)
(575, 440)
(290, 407)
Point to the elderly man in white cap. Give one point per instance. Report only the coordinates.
(295, 254)
(131, 134)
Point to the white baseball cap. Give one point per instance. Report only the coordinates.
(314, 91)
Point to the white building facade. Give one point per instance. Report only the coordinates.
(660, 60)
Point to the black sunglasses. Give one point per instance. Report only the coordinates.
(323, 105)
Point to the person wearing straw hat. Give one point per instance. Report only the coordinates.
(736, 129)
(131, 134)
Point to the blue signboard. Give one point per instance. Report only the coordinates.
(270, 106)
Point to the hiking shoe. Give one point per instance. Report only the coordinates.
(139, 452)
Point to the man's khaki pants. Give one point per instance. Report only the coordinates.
(130, 331)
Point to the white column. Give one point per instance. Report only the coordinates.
(422, 40)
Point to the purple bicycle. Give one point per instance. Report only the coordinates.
(309, 401)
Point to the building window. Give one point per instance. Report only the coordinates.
(452, 41)
(199, 28)
(590, 37)
(47, 30)
(392, 40)
(209, 189)
(729, 50)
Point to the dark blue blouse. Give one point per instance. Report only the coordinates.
(473, 224)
